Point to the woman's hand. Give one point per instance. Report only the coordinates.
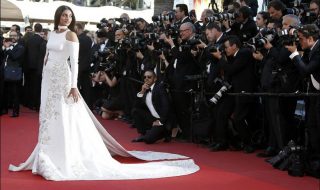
(74, 93)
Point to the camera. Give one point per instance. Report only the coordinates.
(103, 23)
(287, 37)
(224, 88)
(257, 43)
(160, 18)
(106, 60)
(214, 48)
(222, 16)
(107, 66)
(190, 44)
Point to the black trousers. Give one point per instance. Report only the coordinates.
(241, 116)
(279, 113)
(222, 112)
(85, 88)
(313, 123)
(128, 92)
(143, 121)
(182, 108)
(12, 93)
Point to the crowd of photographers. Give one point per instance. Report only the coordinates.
(210, 70)
(226, 81)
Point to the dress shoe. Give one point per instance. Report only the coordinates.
(236, 147)
(248, 149)
(138, 139)
(219, 147)
(4, 112)
(269, 152)
(14, 115)
(167, 139)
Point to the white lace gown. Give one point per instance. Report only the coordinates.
(72, 144)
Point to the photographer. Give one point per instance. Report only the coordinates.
(141, 25)
(266, 60)
(314, 8)
(220, 112)
(183, 64)
(279, 75)
(276, 9)
(244, 27)
(12, 59)
(310, 67)
(112, 106)
(238, 69)
(181, 15)
(84, 76)
(205, 14)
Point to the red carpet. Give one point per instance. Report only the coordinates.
(219, 171)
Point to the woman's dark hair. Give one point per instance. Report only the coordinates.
(265, 15)
(58, 14)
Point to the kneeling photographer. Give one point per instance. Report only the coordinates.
(112, 106)
(309, 65)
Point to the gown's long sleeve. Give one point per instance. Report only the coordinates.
(73, 49)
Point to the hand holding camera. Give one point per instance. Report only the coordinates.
(257, 55)
(291, 48)
(217, 54)
(139, 55)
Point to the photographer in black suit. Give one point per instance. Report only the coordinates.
(183, 64)
(152, 111)
(32, 74)
(310, 67)
(181, 15)
(84, 77)
(239, 71)
(13, 55)
(244, 27)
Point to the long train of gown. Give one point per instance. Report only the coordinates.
(73, 145)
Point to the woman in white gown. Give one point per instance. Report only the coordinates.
(72, 144)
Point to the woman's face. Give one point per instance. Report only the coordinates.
(260, 21)
(66, 18)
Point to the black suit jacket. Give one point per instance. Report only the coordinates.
(15, 56)
(186, 64)
(288, 78)
(215, 69)
(313, 66)
(180, 22)
(84, 52)
(160, 101)
(247, 31)
(240, 71)
(33, 50)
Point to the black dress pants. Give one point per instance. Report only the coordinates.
(12, 93)
(143, 121)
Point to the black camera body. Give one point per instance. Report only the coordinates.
(106, 59)
(287, 37)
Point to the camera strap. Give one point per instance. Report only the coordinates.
(5, 62)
